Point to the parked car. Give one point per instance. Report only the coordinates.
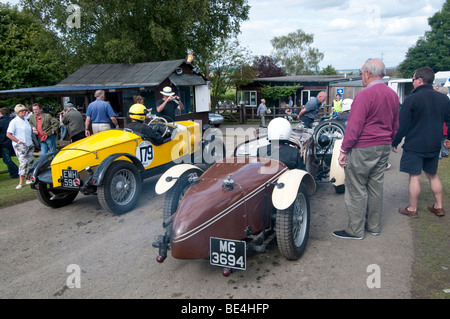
(112, 164)
(241, 204)
(215, 119)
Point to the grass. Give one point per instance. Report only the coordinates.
(431, 267)
(9, 195)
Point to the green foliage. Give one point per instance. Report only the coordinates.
(295, 53)
(275, 93)
(9, 195)
(329, 70)
(227, 67)
(30, 55)
(114, 31)
(433, 49)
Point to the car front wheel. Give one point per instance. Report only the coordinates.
(121, 188)
(54, 198)
(292, 226)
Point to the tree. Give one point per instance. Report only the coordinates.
(114, 31)
(267, 66)
(30, 55)
(275, 93)
(296, 54)
(433, 49)
(227, 67)
(329, 70)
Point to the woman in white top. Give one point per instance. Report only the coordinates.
(19, 132)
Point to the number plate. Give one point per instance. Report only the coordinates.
(68, 178)
(228, 253)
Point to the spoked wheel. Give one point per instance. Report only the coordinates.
(292, 226)
(54, 198)
(121, 188)
(331, 129)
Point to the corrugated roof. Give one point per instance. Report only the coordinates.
(94, 77)
(302, 78)
(139, 74)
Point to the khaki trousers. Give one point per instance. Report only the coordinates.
(364, 177)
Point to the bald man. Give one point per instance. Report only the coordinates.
(309, 113)
(371, 128)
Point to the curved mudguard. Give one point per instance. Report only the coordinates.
(101, 169)
(336, 171)
(164, 184)
(41, 162)
(41, 168)
(283, 197)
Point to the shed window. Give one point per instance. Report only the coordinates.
(247, 97)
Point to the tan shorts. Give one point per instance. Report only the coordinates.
(100, 127)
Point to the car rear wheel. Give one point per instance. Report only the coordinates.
(121, 187)
(292, 226)
(54, 198)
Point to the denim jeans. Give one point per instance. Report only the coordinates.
(12, 167)
(49, 145)
(444, 150)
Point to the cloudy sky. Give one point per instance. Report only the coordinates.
(347, 31)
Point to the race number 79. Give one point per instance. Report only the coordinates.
(144, 153)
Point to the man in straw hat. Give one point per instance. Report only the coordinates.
(168, 104)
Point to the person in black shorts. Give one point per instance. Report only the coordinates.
(421, 120)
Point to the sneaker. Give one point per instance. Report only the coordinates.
(28, 182)
(343, 234)
(19, 186)
(374, 233)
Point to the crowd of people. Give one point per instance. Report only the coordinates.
(376, 126)
(31, 130)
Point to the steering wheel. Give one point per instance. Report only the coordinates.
(160, 120)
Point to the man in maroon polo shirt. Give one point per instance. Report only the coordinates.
(371, 128)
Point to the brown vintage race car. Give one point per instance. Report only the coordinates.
(242, 204)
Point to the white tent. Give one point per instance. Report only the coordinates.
(442, 78)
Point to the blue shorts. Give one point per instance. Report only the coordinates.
(413, 163)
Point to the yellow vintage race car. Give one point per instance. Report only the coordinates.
(112, 164)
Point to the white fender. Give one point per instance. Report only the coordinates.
(163, 185)
(283, 197)
(336, 171)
